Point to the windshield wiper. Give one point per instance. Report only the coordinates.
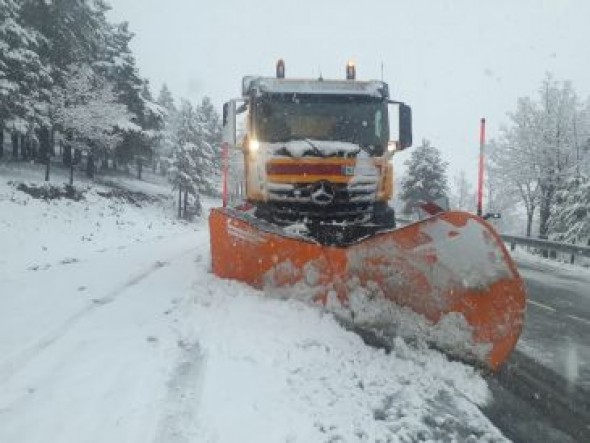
(316, 150)
(369, 149)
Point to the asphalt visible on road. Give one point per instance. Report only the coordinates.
(557, 327)
(543, 392)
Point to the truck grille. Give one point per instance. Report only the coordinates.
(351, 203)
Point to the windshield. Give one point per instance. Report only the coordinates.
(358, 120)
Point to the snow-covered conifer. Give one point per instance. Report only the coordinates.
(183, 172)
(24, 78)
(117, 63)
(165, 147)
(426, 179)
(570, 216)
(208, 142)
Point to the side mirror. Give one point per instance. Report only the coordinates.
(405, 126)
(400, 127)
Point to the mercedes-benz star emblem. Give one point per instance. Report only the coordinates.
(322, 193)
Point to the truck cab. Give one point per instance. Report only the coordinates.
(317, 150)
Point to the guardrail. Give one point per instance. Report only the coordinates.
(548, 246)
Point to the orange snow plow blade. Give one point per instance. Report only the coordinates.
(448, 279)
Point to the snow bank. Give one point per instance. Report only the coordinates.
(372, 88)
(38, 234)
(297, 148)
(283, 371)
(112, 328)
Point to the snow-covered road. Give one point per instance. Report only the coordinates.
(558, 317)
(86, 349)
(132, 339)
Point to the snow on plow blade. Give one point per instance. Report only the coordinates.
(448, 279)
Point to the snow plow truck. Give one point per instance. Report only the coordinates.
(308, 178)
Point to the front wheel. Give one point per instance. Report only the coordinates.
(384, 215)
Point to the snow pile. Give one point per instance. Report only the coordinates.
(368, 310)
(298, 148)
(383, 269)
(550, 266)
(293, 86)
(112, 328)
(283, 371)
(42, 233)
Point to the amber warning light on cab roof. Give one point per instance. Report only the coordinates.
(281, 68)
(350, 69)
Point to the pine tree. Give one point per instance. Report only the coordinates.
(426, 179)
(166, 100)
(152, 124)
(184, 170)
(570, 216)
(74, 34)
(116, 62)
(208, 142)
(166, 144)
(40, 41)
(464, 196)
(24, 78)
(74, 31)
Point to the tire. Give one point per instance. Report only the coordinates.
(384, 215)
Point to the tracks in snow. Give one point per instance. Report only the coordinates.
(177, 424)
(15, 365)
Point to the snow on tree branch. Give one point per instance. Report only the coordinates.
(86, 109)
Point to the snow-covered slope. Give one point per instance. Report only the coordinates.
(113, 329)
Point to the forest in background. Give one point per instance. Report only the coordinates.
(71, 94)
(539, 166)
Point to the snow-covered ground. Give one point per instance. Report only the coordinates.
(113, 329)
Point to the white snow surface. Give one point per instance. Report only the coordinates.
(478, 266)
(113, 329)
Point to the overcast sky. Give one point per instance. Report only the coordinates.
(452, 61)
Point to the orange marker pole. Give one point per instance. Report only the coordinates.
(482, 141)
